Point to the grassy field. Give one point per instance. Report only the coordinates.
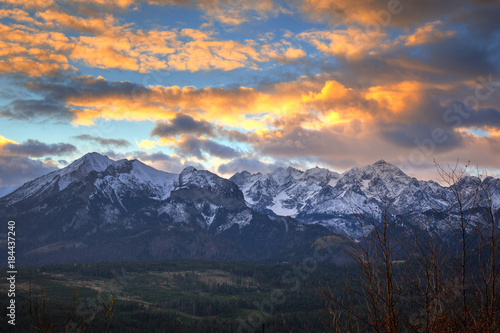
(174, 296)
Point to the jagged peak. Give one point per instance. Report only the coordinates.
(243, 173)
(278, 170)
(295, 173)
(292, 169)
(240, 178)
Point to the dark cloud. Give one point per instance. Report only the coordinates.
(462, 56)
(16, 170)
(405, 13)
(482, 21)
(158, 160)
(86, 86)
(195, 147)
(415, 135)
(250, 164)
(35, 148)
(483, 118)
(57, 91)
(183, 124)
(103, 141)
(31, 109)
(166, 162)
(235, 135)
(155, 157)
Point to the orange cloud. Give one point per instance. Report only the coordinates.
(108, 43)
(351, 43)
(331, 91)
(309, 103)
(92, 25)
(397, 97)
(205, 53)
(4, 141)
(41, 4)
(30, 52)
(282, 51)
(16, 14)
(233, 12)
(427, 34)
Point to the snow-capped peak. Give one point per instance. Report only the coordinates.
(82, 167)
(279, 177)
(191, 177)
(321, 176)
(87, 163)
(62, 178)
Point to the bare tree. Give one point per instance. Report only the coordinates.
(372, 299)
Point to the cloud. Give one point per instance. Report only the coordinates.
(31, 109)
(428, 33)
(183, 124)
(158, 160)
(234, 12)
(351, 43)
(35, 148)
(161, 161)
(33, 47)
(104, 142)
(482, 118)
(16, 170)
(89, 98)
(250, 164)
(30, 52)
(196, 147)
(382, 13)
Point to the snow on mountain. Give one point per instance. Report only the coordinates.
(284, 192)
(320, 196)
(313, 196)
(126, 176)
(104, 210)
(321, 176)
(82, 167)
(190, 177)
(60, 179)
(295, 173)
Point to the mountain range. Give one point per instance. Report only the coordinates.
(98, 209)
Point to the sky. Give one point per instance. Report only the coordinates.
(232, 85)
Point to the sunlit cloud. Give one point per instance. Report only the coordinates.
(351, 43)
(429, 33)
(245, 84)
(4, 141)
